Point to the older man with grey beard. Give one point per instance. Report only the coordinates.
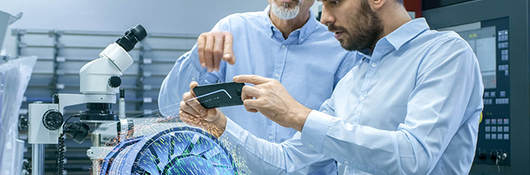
(284, 42)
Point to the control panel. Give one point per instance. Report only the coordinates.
(499, 34)
(491, 42)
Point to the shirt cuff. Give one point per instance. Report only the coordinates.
(315, 129)
(232, 133)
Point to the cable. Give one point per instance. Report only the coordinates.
(60, 154)
(61, 150)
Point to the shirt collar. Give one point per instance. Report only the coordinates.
(396, 39)
(301, 34)
(407, 32)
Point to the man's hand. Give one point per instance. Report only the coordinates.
(271, 99)
(214, 47)
(193, 113)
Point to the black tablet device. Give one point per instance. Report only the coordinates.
(219, 95)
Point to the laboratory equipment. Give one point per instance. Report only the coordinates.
(99, 83)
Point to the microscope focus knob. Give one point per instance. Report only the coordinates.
(52, 120)
(114, 81)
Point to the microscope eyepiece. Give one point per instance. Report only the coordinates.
(131, 37)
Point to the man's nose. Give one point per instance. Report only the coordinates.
(326, 18)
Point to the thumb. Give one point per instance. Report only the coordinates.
(193, 84)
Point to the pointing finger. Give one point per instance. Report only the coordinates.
(228, 50)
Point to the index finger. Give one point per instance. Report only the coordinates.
(228, 55)
(201, 43)
(254, 79)
(249, 92)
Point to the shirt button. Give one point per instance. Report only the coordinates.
(283, 46)
(373, 64)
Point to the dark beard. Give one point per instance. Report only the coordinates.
(368, 30)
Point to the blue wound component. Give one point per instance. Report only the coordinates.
(180, 150)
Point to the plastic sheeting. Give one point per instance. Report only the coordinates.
(180, 150)
(14, 78)
(5, 20)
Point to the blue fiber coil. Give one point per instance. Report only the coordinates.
(180, 150)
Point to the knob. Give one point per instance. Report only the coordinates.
(114, 81)
(52, 120)
(504, 156)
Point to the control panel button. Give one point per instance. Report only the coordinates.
(506, 136)
(506, 121)
(502, 101)
(506, 129)
(494, 137)
(499, 136)
(499, 129)
(503, 45)
(494, 129)
(493, 121)
(499, 121)
(487, 128)
(488, 121)
(488, 136)
(504, 57)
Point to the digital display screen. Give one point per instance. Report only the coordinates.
(483, 42)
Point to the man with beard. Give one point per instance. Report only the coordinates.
(410, 106)
(285, 42)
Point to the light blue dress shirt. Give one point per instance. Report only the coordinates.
(310, 62)
(411, 107)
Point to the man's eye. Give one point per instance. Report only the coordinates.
(333, 2)
(330, 3)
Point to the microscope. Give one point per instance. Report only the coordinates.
(99, 85)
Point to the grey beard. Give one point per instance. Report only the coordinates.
(283, 12)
